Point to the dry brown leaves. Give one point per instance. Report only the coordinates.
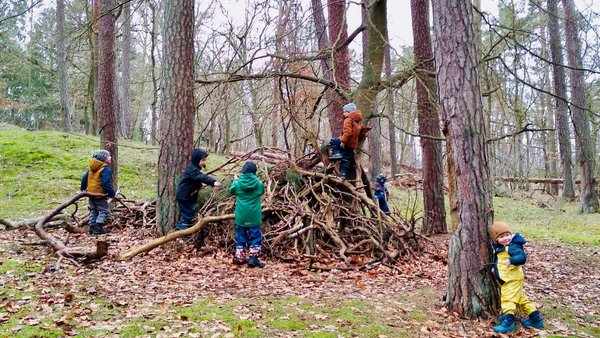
(176, 275)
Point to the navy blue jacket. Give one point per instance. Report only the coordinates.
(192, 179)
(515, 250)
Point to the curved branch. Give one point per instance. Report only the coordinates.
(173, 235)
(61, 248)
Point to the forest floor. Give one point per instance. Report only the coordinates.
(173, 291)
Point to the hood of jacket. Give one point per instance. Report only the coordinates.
(356, 115)
(518, 239)
(197, 155)
(96, 165)
(248, 182)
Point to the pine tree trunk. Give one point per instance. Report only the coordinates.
(390, 107)
(581, 121)
(126, 129)
(472, 290)
(338, 33)
(176, 124)
(62, 66)
(434, 221)
(560, 90)
(106, 91)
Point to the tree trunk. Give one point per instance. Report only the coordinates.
(434, 221)
(338, 33)
(581, 121)
(472, 291)
(126, 129)
(548, 139)
(154, 104)
(62, 66)
(391, 112)
(177, 106)
(560, 90)
(375, 123)
(369, 87)
(106, 91)
(323, 43)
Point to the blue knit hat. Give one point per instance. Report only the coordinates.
(101, 155)
(249, 168)
(350, 107)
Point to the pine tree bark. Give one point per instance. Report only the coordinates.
(176, 124)
(106, 91)
(560, 109)
(472, 290)
(434, 221)
(581, 121)
(338, 33)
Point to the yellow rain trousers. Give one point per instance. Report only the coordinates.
(512, 296)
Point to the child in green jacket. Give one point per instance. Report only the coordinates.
(248, 215)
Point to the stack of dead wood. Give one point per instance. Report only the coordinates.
(308, 212)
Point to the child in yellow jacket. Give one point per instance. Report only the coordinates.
(509, 256)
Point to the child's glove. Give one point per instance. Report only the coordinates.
(342, 145)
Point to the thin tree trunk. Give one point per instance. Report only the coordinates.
(472, 290)
(323, 43)
(126, 129)
(434, 221)
(62, 66)
(154, 104)
(581, 121)
(106, 92)
(375, 123)
(177, 108)
(391, 113)
(560, 90)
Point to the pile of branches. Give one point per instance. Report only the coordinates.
(308, 212)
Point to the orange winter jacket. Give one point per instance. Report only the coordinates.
(352, 129)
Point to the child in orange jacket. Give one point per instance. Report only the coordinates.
(343, 146)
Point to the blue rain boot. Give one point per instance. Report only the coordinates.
(255, 263)
(507, 324)
(535, 320)
(97, 229)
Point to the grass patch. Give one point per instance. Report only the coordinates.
(564, 317)
(560, 222)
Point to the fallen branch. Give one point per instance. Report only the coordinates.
(173, 235)
(60, 247)
(31, 222)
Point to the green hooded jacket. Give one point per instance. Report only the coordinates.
(248, 210)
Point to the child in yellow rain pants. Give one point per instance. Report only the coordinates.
(509, 257)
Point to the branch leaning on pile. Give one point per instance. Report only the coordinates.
(173, 235)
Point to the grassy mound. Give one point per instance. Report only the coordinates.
(39, 170)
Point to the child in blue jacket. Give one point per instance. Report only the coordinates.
(98, 180)
(381, 193)
(509, 257)
(190, 184)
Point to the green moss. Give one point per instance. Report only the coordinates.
(562, 316)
